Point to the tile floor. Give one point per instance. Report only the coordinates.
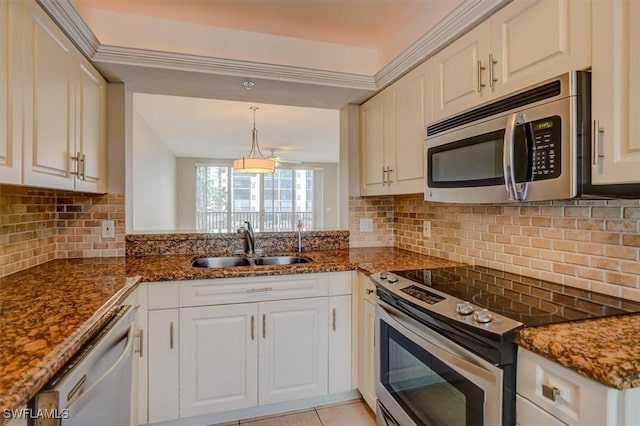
(352, 413)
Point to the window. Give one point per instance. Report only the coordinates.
(273, 202)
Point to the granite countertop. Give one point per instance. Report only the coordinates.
(604, 349)
(49, 311)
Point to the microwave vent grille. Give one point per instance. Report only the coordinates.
(528, 97)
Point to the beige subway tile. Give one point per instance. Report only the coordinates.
(577, 282)
(577, 235)
(607, 237)
(617, 278)
(607, 212)
(606, 263)
(631, 240)
(590, 273)
(622, 252)
(563, 245)
(565, 269)
(591, 248)
(630, 267)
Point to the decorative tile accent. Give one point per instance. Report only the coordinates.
(38, 225)
(202, 244)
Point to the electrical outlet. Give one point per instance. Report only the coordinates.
(108, 230)
(366, 225)
(426, 229)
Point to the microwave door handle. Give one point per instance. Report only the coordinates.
(516, 192)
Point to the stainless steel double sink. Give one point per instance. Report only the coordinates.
(231, 261)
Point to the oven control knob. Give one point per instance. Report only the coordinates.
(384, 275)
(391, 278)
(464, 308)
(482, 316)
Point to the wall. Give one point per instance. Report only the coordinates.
(588, 244)
(38, 225)
(154, 180)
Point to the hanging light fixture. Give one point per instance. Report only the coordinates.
(255, 162)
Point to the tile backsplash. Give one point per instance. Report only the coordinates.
(592, 244)
(38, 225)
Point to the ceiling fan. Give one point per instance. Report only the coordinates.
(279, 160)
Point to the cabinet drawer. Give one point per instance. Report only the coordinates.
(528, 414)
(164, 295)
(252, 289)
(578, 400)
(339, 283)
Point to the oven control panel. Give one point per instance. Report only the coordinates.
(431, 300)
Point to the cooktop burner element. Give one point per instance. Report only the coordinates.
(527, 300)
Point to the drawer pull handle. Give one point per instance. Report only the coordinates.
(550, 392)
(369, 291)
(333, 319)
(253, 327)
(264, 326)
(259, 290)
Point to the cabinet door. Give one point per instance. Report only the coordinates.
(459, 82)
(90, 130)
(48, 102)
(406, 155)
(532, 40)
(375, 121)
(340, 344)
(293, 349)
(163, 365)
(218, 358)
(367, 377)
(10, 92)
(616, 92)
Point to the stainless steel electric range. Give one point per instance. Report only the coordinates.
(445, 340)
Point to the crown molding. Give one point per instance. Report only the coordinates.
(68, 19)
(230, 67)
(467, 15)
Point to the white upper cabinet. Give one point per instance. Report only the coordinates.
(524, 43)
(10, 92)
(616, 92)
(392, 136)
(64, 110)
(457, 73)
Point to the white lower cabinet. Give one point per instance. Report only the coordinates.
(215, 358)
(366, 341)
(163, 391)
(219, 358)
(293, 349)
(550, 394)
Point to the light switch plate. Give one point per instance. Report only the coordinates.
(108, 230)
(366, 225)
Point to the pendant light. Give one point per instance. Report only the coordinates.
(255, 162)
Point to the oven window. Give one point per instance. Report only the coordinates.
(426, 388)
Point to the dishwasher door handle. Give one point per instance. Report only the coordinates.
(77, 397)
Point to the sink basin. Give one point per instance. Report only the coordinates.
(220, 262)
(280, 260)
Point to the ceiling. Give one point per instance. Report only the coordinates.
(366, 23)
(208, 128)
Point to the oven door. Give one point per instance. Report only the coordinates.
(422, 378)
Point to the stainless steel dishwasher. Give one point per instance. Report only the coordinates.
(94, 387)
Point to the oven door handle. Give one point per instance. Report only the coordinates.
(516, 191)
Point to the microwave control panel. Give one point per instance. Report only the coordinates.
(546, 149)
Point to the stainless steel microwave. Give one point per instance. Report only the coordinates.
(524, 147)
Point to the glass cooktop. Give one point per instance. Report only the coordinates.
(528, 300)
